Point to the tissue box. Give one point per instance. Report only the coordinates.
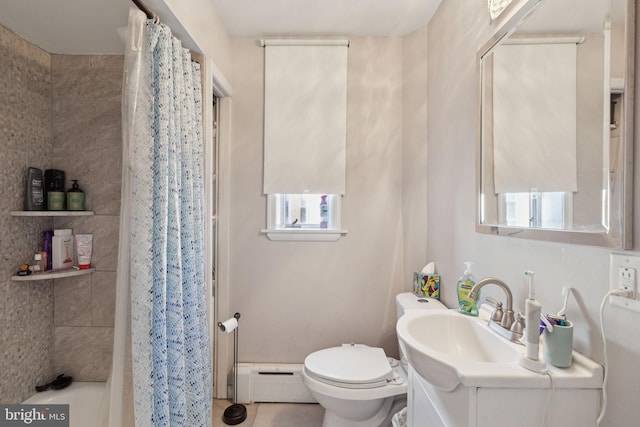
(426, 285)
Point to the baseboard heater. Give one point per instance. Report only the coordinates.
(271, 382)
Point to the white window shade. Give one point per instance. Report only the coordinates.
(305, 118)
(534, 95)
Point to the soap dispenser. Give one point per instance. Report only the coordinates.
(467, 305)
(75, 197)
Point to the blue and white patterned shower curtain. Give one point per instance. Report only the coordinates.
(169, 329)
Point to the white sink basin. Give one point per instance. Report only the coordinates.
(460, 336)
(447, 348)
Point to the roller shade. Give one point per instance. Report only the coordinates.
(534, 95)
(305, 117)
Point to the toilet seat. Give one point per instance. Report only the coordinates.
(316, 385)
(355, 366)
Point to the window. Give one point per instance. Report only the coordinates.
(313, 211)
(303, 217)
(305, 122)
(536, 209)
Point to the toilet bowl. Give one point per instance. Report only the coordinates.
(355, 383)
(358, 385)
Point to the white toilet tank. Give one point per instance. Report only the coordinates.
(409, 301)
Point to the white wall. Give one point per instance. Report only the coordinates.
(456, 32)
(414, 150)
(298, 297)
(198, 25)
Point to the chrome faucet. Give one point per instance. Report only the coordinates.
(504, 328)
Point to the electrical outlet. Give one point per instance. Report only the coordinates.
(623, 271)
(627, 280)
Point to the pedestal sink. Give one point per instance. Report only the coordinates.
(447, 348)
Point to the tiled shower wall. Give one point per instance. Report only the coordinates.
(86, 106)
(63, 112)
(26, 310)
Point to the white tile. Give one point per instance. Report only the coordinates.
(84, 352)
(289, 415)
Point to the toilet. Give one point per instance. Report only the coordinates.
(358, 385)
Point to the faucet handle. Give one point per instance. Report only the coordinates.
(497, 314)
(518, 326)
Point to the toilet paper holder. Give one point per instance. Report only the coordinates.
(230, 324)
(236, 413)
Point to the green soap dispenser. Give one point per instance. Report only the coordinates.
(467, 305)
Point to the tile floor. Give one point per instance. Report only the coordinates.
(273, 414)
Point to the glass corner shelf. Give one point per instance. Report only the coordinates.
(52, 275)
(52, 213)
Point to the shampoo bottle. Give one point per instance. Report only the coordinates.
(34, 196)
(466, 305)
(75, 197)
(47, 242)
(54, 189)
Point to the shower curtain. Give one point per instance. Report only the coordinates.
(161, 368)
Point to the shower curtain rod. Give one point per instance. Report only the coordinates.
(146, 10)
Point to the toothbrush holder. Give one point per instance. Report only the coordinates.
(558, 345)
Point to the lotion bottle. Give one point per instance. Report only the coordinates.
(466, 305)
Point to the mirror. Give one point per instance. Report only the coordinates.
(555, 148)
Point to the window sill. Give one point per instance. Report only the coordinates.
(303, 234)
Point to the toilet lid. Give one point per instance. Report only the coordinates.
(350, 366)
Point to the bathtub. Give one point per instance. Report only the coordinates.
(84, 399)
